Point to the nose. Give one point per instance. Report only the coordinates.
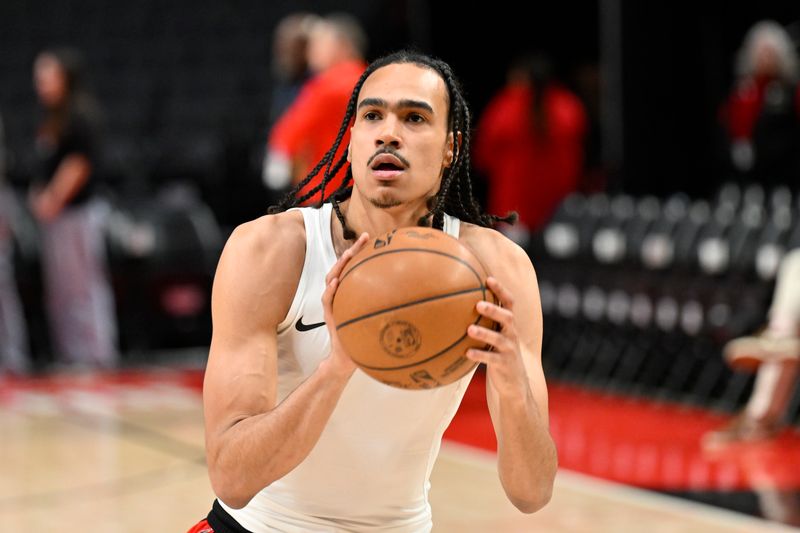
(388, 134)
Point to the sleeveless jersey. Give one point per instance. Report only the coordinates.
(370, 469)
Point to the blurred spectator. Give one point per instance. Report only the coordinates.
(775, 353)
(762, 115)
(14, 357)
(306, 131)
(79, 299)
(289, 61)
(289, 72)
(530, 145)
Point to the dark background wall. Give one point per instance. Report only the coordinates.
(188, 82)
(186, 85)
(678, 64)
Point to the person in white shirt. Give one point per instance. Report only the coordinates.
(298, 439)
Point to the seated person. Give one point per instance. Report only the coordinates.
(775, 355)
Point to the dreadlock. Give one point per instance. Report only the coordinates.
(455, 192)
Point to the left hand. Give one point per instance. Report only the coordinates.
(338, 356)
(505, 369)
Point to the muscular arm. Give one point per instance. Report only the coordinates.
(516, 389)
(250, 439)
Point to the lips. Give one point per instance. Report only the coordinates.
(387, 166)
(387, 161)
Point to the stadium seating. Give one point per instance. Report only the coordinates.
(640, 294)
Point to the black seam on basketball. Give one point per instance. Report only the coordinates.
(407, 304)
(434, 356)
(425, 250)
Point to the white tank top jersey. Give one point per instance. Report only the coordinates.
(370, 469)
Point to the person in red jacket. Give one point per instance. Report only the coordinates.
(303, 135)
(761, 117)
(530, 145)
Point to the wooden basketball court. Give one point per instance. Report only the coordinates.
(124, 454)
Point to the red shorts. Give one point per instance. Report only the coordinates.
(201, 527)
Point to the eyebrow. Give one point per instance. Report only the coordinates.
(401, 104)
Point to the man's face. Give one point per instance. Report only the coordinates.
(323, 47)
(767, 60)
(400, 144)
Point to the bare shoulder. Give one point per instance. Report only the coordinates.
(263, 259)
(265, 235)
(510, 265)
(267, 242)
(501, 256)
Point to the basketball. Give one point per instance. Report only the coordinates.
(403, 306)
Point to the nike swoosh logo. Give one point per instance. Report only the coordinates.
(307, 327)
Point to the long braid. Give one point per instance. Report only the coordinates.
(330, 172)
(333, 171)
(455, 166)
(455, 192)
(343, 192)
(347, 231)
(291, 199)
(463, 203)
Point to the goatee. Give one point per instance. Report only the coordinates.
(385, 203)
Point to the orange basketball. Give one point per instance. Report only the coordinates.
(403, 306)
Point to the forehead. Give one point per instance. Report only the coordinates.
(322, 29)
(406, 81)
(46, 61)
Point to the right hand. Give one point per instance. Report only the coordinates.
(338, 358)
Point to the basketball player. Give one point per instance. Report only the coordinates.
(297, 439)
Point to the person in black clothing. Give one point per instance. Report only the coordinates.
(63, 199)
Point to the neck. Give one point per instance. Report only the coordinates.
(363, 217)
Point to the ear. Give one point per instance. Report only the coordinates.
(451, 155)
(349, 145)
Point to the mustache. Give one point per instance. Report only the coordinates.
(388, 150)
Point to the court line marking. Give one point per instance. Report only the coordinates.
(610, 490)
(191, 457)
(106, 489)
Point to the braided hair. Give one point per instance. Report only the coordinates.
(455, 194)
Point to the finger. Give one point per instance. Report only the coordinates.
(502, 316)
(327, 299)
(492, 338)
(330, 290)
(360, 242)
(482, 356)
(348, 254)
(354, 249)
(506, 300)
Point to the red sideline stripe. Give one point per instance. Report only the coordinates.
(639, 442)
